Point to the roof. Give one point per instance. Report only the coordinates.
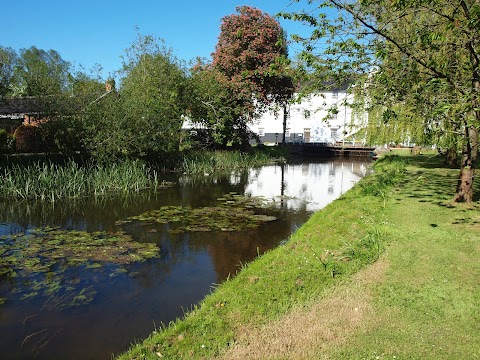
(19, 105)
(29, 105)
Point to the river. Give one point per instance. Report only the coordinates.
(116, 306)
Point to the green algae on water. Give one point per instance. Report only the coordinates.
(39, 262)
(233, 213)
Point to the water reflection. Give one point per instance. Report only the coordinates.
(128, 306)
(308, 186)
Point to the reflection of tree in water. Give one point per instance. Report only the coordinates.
(204, 191)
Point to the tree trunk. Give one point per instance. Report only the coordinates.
(451, 157)
(285, 115)
(464, 192)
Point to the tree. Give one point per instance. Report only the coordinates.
(216, 106)
(414, 42)
(153, 91)
(142, 119)
(41, 73)
(250, 64)
(8, 59)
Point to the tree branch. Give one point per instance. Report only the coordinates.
(405, 51)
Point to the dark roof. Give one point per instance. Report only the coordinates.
(19, 105)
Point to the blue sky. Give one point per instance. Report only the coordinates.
(87, 32)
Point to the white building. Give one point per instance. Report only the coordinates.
(318, 118)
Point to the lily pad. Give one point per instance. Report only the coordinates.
(234, 213)
(41, 259)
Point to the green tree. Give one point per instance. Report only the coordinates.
(417, 42)
(41, 72)
(216, 107)
(248, 75)
(144, 118)
(154, 95)
(8, 59)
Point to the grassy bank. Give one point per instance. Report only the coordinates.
(389, 270)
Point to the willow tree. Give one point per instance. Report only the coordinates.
(414, 42)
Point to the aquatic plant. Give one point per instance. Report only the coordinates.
(50, 182)
(234, 212)
(39, 262)
(208, 162)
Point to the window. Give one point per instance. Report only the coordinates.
(334, 116)
(335, 95)
(306, 114)
(306, 134)
(261, 132)
(334, 134)
(287, 133)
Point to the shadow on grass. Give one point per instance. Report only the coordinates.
(431, 181)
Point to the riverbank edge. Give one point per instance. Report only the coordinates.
(388, 271)
(319, 255)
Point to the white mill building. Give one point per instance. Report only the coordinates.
(311, 120)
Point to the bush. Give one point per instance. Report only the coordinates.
(27, 139)
(7, 142)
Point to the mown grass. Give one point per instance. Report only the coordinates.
(334, 244)
(428, 306)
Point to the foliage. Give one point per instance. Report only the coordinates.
(7, 142)
(252, 53)
(27, 139)
(62, 135)
(215, 106)
(248, 74)
(50, 182)
(8, 59)
(142, 119)
(417, 59)
(40, 73)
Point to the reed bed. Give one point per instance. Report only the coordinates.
(208, 162)
(51, 182)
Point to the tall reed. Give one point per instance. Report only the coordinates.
(50, 182)
(208, 162)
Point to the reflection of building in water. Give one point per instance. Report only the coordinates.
(306, 186)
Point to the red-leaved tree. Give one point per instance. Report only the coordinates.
(252, 53)
(251, 60)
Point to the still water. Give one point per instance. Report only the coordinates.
(127, 306)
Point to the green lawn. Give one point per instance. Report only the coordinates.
(389, 271)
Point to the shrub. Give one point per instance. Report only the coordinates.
(7, 142)
(27, 139)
